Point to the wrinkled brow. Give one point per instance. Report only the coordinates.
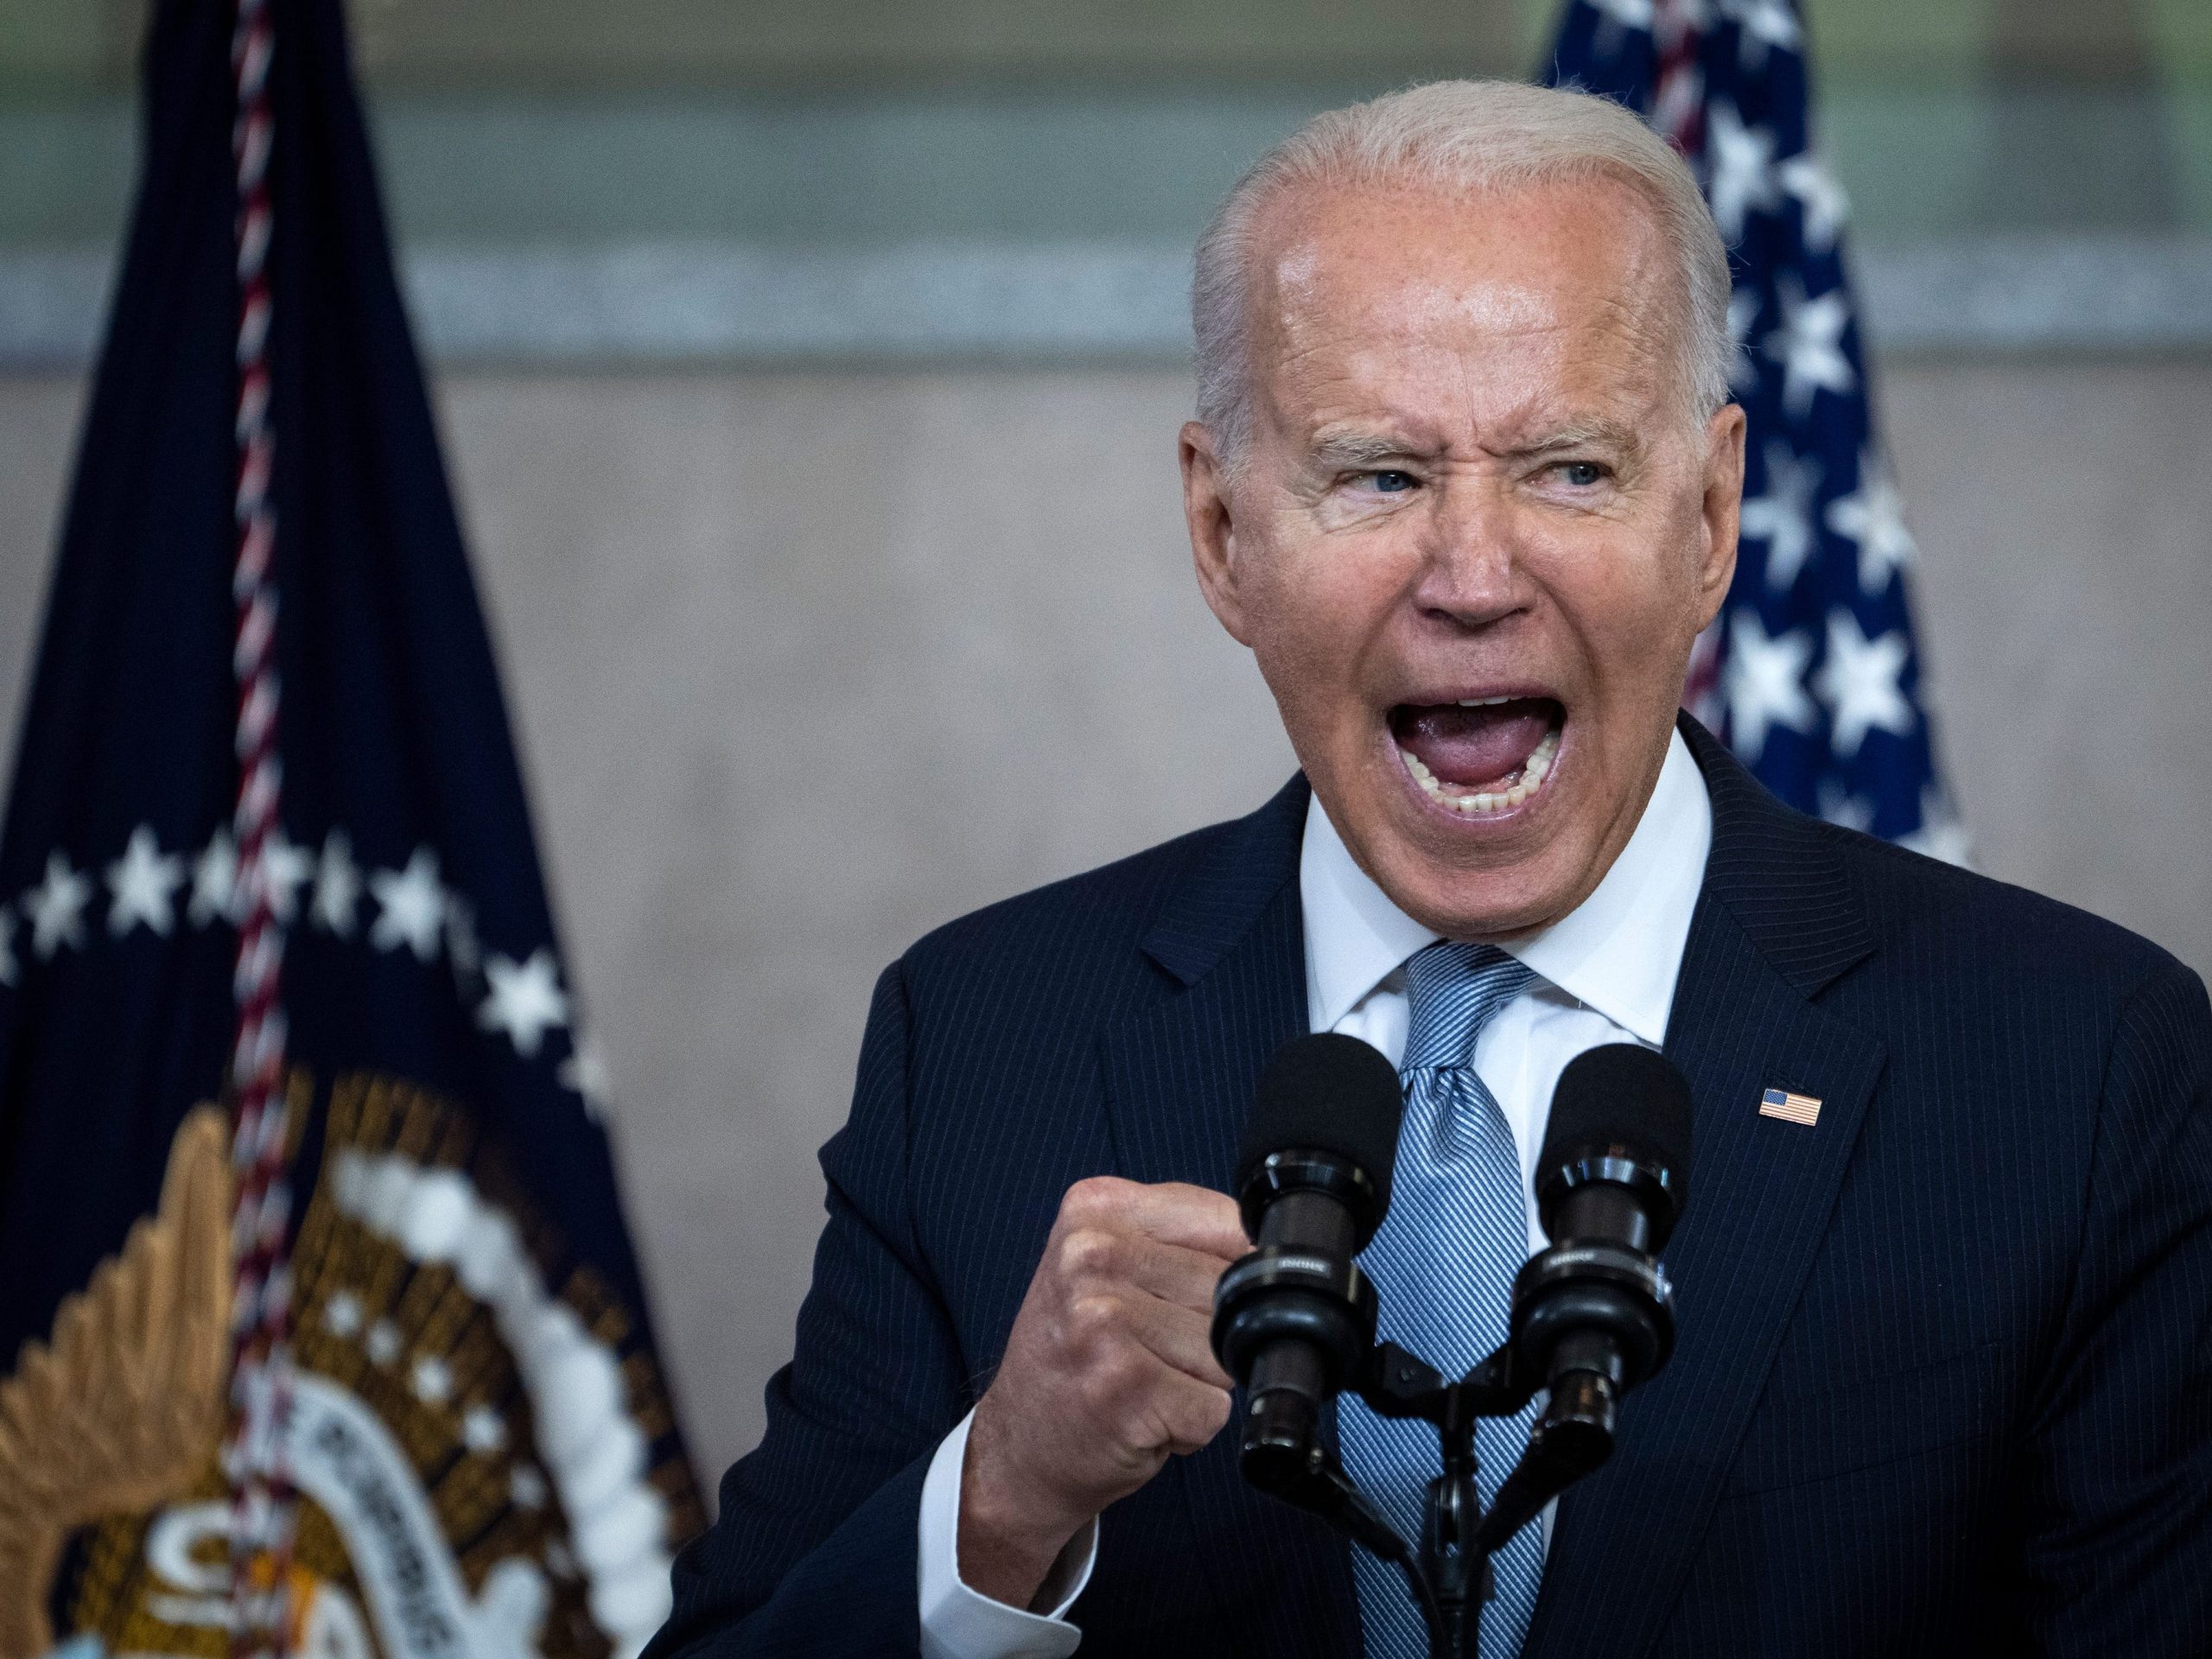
(1600, 434)
(1348, 450)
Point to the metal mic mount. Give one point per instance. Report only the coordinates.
(1590, 1319)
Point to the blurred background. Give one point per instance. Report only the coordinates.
(810, 375)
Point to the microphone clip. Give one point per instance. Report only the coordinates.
(1565, 1297)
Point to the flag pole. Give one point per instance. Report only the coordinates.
(260, 1495)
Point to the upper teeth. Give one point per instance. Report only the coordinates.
(1482, 702)
(1534, 770)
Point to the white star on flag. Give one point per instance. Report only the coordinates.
(337, 885)
(412, 905)
(1941, 835)
(1809, 345)
(215, 880)
(1761, 24)
(283, 868)
(1859, 683)
(141, 883)
(56, 907)
(1766, 683)
(1822, 199)
(286, 869)
(1873, 517)
(1743, 168)
(1839, 805)
(1782, 518)
(585, 1072)
(525, 999)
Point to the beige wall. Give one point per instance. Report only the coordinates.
(806, 664)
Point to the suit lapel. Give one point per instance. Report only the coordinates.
(1776, 923)
(1179, 1078)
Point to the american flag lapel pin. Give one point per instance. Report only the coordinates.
(1803, 1110)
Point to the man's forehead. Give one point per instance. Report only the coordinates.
(1540, 305)
(1309, 229)
(1412, 298)
(1435, 402)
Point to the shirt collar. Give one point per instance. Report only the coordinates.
(1618, 951)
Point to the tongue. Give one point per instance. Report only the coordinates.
(1472, 746)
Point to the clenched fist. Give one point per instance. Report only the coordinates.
(1107, 1373)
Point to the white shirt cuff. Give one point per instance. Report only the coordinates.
(958, 1622)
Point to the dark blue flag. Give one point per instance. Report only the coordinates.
(1811, 673)
(267, 832)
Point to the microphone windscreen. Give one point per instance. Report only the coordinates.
(1327, 1093)
(1624, 1094)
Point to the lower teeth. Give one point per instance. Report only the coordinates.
(1529, 779)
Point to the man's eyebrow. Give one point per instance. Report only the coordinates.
(1348, 449)
(1580, 435)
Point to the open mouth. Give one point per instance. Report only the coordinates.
(1480, 754)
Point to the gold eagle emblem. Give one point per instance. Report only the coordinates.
(123, 1404)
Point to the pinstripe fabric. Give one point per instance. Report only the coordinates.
(1443, 1263)
(1943, 1377)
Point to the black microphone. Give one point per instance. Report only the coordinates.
(1593, 1314)
(1293, 1320)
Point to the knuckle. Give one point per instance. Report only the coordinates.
(1105, 1387)
(1198, 1418)
(1088, 1253)
(1093, 1199)
(1094, 1316)
(1213, 1413)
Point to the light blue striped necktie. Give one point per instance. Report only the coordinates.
(1443, 1263)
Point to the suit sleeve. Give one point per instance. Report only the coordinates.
(2117, 1551)
(815, 1549)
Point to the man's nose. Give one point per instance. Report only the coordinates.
(1472, 571)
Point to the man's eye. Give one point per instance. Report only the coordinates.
(1390, 482)
(1581, 474)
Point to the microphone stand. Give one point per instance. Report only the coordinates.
(1449, 1574)
(1592, 1315)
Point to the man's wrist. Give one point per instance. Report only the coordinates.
(1010, 1539)
(961, 1622)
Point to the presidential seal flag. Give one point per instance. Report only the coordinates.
(319, 1330)
(1812, 673)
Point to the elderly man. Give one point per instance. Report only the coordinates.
(1465, 481)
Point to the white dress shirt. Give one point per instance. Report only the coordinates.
(1604, 973)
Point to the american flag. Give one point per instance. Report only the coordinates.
(1811, 673)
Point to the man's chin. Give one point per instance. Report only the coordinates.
(1484, 874)
(1480, 903)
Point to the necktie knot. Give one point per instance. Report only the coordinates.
(1453, 988)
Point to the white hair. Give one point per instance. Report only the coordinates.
(1459, 137)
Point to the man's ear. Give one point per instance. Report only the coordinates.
(1213, 528)
(1723, 507)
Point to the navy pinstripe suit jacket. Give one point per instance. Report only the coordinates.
(1944, 1377)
